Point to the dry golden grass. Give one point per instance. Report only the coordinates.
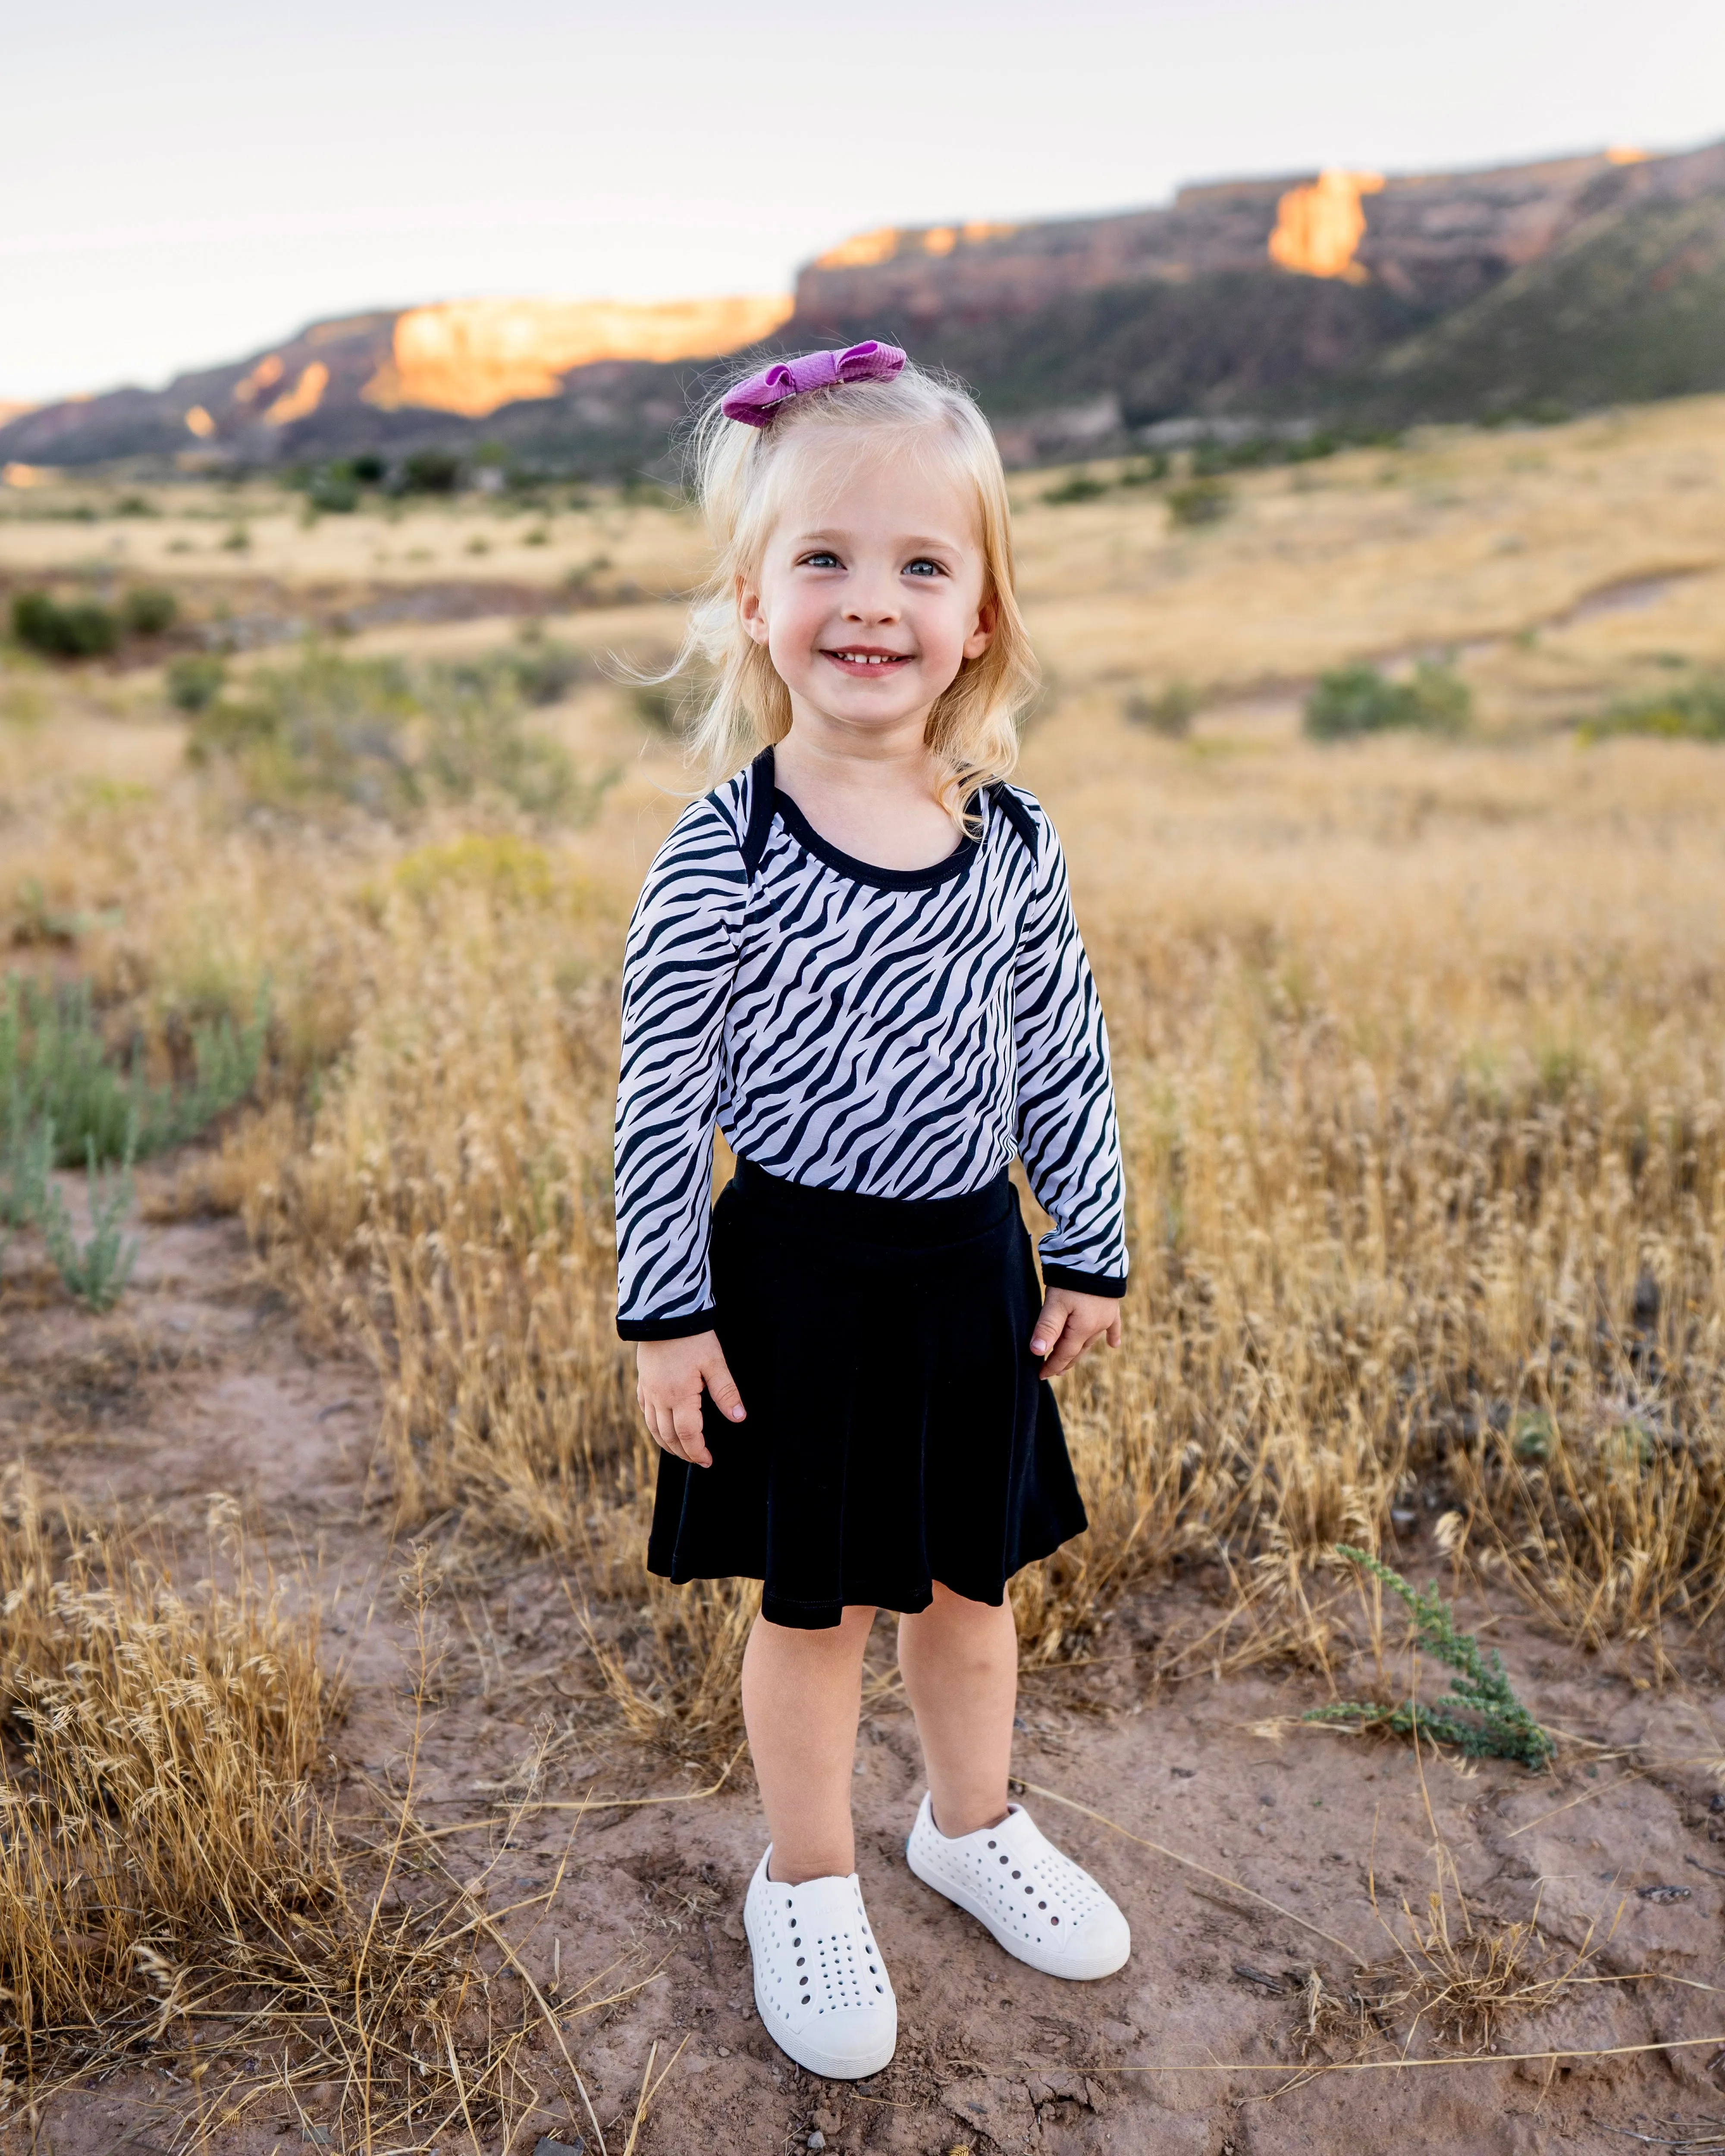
(155, 1803)
(171, 1878)
(1419, 1050)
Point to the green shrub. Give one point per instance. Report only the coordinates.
(57, 1071)
(1199, 502)
(1077, 486)
(1146, 471)
(194, 680)
(431, 471)
(1170, 713)
(1695, 712)
(329, 727)
(544, 672)
(370, 732)
(81, 630)
(367, 469)
(1351, 700)
(148, 610)
(477, 741)
(135, 505)
(333, 494)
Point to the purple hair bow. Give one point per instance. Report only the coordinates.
(754, 402)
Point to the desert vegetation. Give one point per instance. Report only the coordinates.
(1419, 1037)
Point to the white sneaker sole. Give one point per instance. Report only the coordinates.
(832, 2065)
(1082, 1968)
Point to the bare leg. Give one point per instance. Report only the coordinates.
(801, 1692)
(960, 1662)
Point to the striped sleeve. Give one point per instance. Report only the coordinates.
(677, 972)
(1067, 1132)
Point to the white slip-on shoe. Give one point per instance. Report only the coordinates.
(821, 1988)
(1038, 1904)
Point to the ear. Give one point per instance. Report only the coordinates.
(748, 608)
(987, 620)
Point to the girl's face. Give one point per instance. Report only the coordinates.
(869, 596)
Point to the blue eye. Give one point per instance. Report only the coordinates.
(822, 558)
(923, 566)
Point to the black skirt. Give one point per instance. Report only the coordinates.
(898, 1432)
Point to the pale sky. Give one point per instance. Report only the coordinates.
(183, 183)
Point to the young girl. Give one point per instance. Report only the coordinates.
(858, 958)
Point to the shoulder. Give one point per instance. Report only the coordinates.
(1028, 820)
(699, 866)
(708, 828)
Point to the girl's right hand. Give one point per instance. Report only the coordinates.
(670, 1376)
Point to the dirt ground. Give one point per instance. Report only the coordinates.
(201, 1382)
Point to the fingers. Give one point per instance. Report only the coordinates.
(675, 1426)
(1063, 1331)
(1074, 1337)
(690, 1438)
(721, 1390)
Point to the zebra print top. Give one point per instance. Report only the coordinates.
(896, 1032)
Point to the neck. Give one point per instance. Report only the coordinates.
(822, 752)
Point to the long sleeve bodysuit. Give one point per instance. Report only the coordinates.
(900, 1033)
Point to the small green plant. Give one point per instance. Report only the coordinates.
(1351, 700)
(56, 1071)
(431, 471)
(96, 1272)
(148, 610)
(83, 629)
(135, 505)
(239, 539)
(1480, 1714)
(1199, 502)
(26, 1162)
(333, 493)
(1170, 713)
(1077, 486)
(195, 679)
(1146, 471)
(1695, 712)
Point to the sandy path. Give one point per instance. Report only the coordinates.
(200, 1381)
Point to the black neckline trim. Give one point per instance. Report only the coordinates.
(805, 833)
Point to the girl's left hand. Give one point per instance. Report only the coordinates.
(1069, 1322)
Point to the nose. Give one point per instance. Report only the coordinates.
(871, 594)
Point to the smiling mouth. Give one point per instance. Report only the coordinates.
(861, 658)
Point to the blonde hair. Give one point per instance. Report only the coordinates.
(743, 476)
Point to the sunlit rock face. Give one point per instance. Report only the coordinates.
(1436, 239)
(1318, 228)
(472, 355)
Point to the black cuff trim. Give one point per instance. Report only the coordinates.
(1110, 1283)
(666, 1328)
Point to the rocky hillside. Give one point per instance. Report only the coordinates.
(1345, 298)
